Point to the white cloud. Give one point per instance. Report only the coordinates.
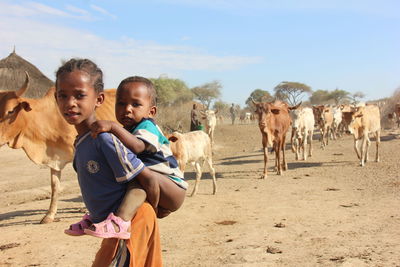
(75, 9)
(29, 9)
(386, 8)
(45, 45)
(103, 11)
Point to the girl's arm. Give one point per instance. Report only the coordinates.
(129, 140)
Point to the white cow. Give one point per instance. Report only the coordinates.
(195, 148)
(210, 121)
(302, 130)
(337, 122)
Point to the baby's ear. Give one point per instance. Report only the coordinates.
(153, 111)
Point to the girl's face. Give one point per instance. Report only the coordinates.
(133, 103)
(77, 99)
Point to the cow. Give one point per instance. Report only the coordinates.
(347, 113)
(210, 121)
(194, 148)
(302, 130)
(336, 129)
(36, 126)
(274, 122)
(245, 118)
(365, 120)
(252, 118)
(323, 119)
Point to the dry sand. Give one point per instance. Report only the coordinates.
(326, 211)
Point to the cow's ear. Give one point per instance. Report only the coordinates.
(216, 111)
(295, 107)
(173, 138)
(275, 111)
(26, 106)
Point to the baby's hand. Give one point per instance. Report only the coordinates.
(100, 127)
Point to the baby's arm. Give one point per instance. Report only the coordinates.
(129, 140)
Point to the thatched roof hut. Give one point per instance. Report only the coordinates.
(12, 76)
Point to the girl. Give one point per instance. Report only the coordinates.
(112, 178)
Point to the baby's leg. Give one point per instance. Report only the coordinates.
(133, 199)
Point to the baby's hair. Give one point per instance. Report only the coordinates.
(149, 85)
(86, 65)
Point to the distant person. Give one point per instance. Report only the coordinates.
(233, 113)
(194, 119)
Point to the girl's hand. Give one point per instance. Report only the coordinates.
(101, 127)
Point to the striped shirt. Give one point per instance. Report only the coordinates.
(104, 167)
(158, 155)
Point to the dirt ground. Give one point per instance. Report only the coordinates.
(326, 211)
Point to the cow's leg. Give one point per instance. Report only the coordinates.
(356, 148)
(298, 148)
(322, 138)
(284, 164)
(378, 141)
(265, 161)
(367, 148)
(278, 159)
(304, 145)
(310, 136)
(292, 140)
(328, 129)
(55, 177)
(198, 176)
(212, 172)
(363, 150)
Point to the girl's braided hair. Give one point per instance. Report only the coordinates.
(87, 66)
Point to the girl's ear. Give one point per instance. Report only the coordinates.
(153, 111)
(100, 99)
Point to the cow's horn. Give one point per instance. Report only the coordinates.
(24, 87)
(254, 102)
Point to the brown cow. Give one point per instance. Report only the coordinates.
(274, 122)
(195, 148)
(36, 126)
(323, 116)
(365, 120)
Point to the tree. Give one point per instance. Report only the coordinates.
(259, 95)
(170, 91)
(207, 92)
(339, 95)
(222, 107)
(319, 97)
(356, 97)
(291, 92)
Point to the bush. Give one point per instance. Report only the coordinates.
(174, 117)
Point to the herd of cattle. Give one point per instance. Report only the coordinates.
(36, 126)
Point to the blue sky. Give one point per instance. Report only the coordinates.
(352, 45)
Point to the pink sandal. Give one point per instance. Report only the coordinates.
(78, 228)
(105, 229)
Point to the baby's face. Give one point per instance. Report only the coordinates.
(133, 103)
